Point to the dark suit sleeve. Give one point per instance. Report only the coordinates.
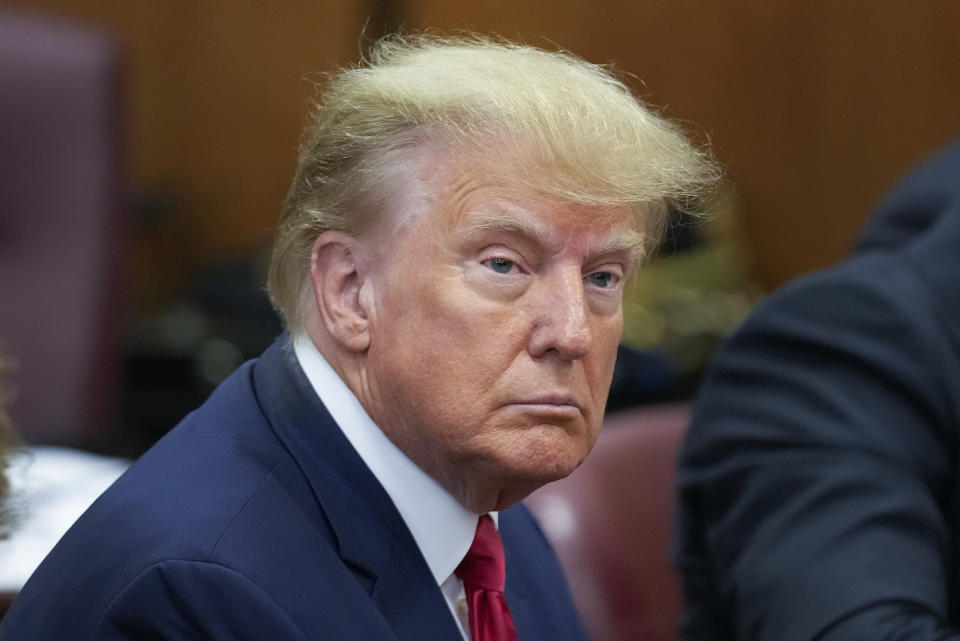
(188, 600)
(814, 479)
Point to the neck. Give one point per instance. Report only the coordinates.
(473, 489)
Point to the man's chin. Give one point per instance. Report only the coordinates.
(523, 478)
(503, 483)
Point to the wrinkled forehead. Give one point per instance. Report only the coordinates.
(474, 196)
(437, 167)
(472, 191)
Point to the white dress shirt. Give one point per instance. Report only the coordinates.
(442, 528)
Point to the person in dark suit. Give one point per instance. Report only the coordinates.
(450, 267)
(820, 480)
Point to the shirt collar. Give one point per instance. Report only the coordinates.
(442, 528)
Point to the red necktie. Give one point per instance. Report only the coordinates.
(484, 577)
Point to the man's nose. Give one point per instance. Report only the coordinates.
(562, 322)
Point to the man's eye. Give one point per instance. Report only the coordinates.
(500, 265)
(602, 279)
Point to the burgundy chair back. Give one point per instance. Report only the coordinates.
(611, 523)
(60, 225)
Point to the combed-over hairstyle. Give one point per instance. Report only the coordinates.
(532, 119)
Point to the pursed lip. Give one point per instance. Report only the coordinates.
(558, 401)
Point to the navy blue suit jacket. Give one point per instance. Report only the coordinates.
(256, 519)
(820, 480)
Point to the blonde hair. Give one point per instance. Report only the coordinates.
(542, 121)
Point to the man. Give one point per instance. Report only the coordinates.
(820, 482)
(450, 267)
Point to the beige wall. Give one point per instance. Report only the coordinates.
(815, 107)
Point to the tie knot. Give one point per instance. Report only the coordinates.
(483, 566)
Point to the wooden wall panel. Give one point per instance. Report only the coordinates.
(217, 94)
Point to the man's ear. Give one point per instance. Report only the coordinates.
(339, 269)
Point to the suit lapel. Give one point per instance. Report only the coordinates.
(536, 589)
(526, 619)
(414, 613)
(368, 531)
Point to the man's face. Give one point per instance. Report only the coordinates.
(494, 334)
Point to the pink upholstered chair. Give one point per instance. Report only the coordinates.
(611, 522)
(60, 224)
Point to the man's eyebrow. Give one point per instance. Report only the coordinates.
(625, 240)
(500, 221)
